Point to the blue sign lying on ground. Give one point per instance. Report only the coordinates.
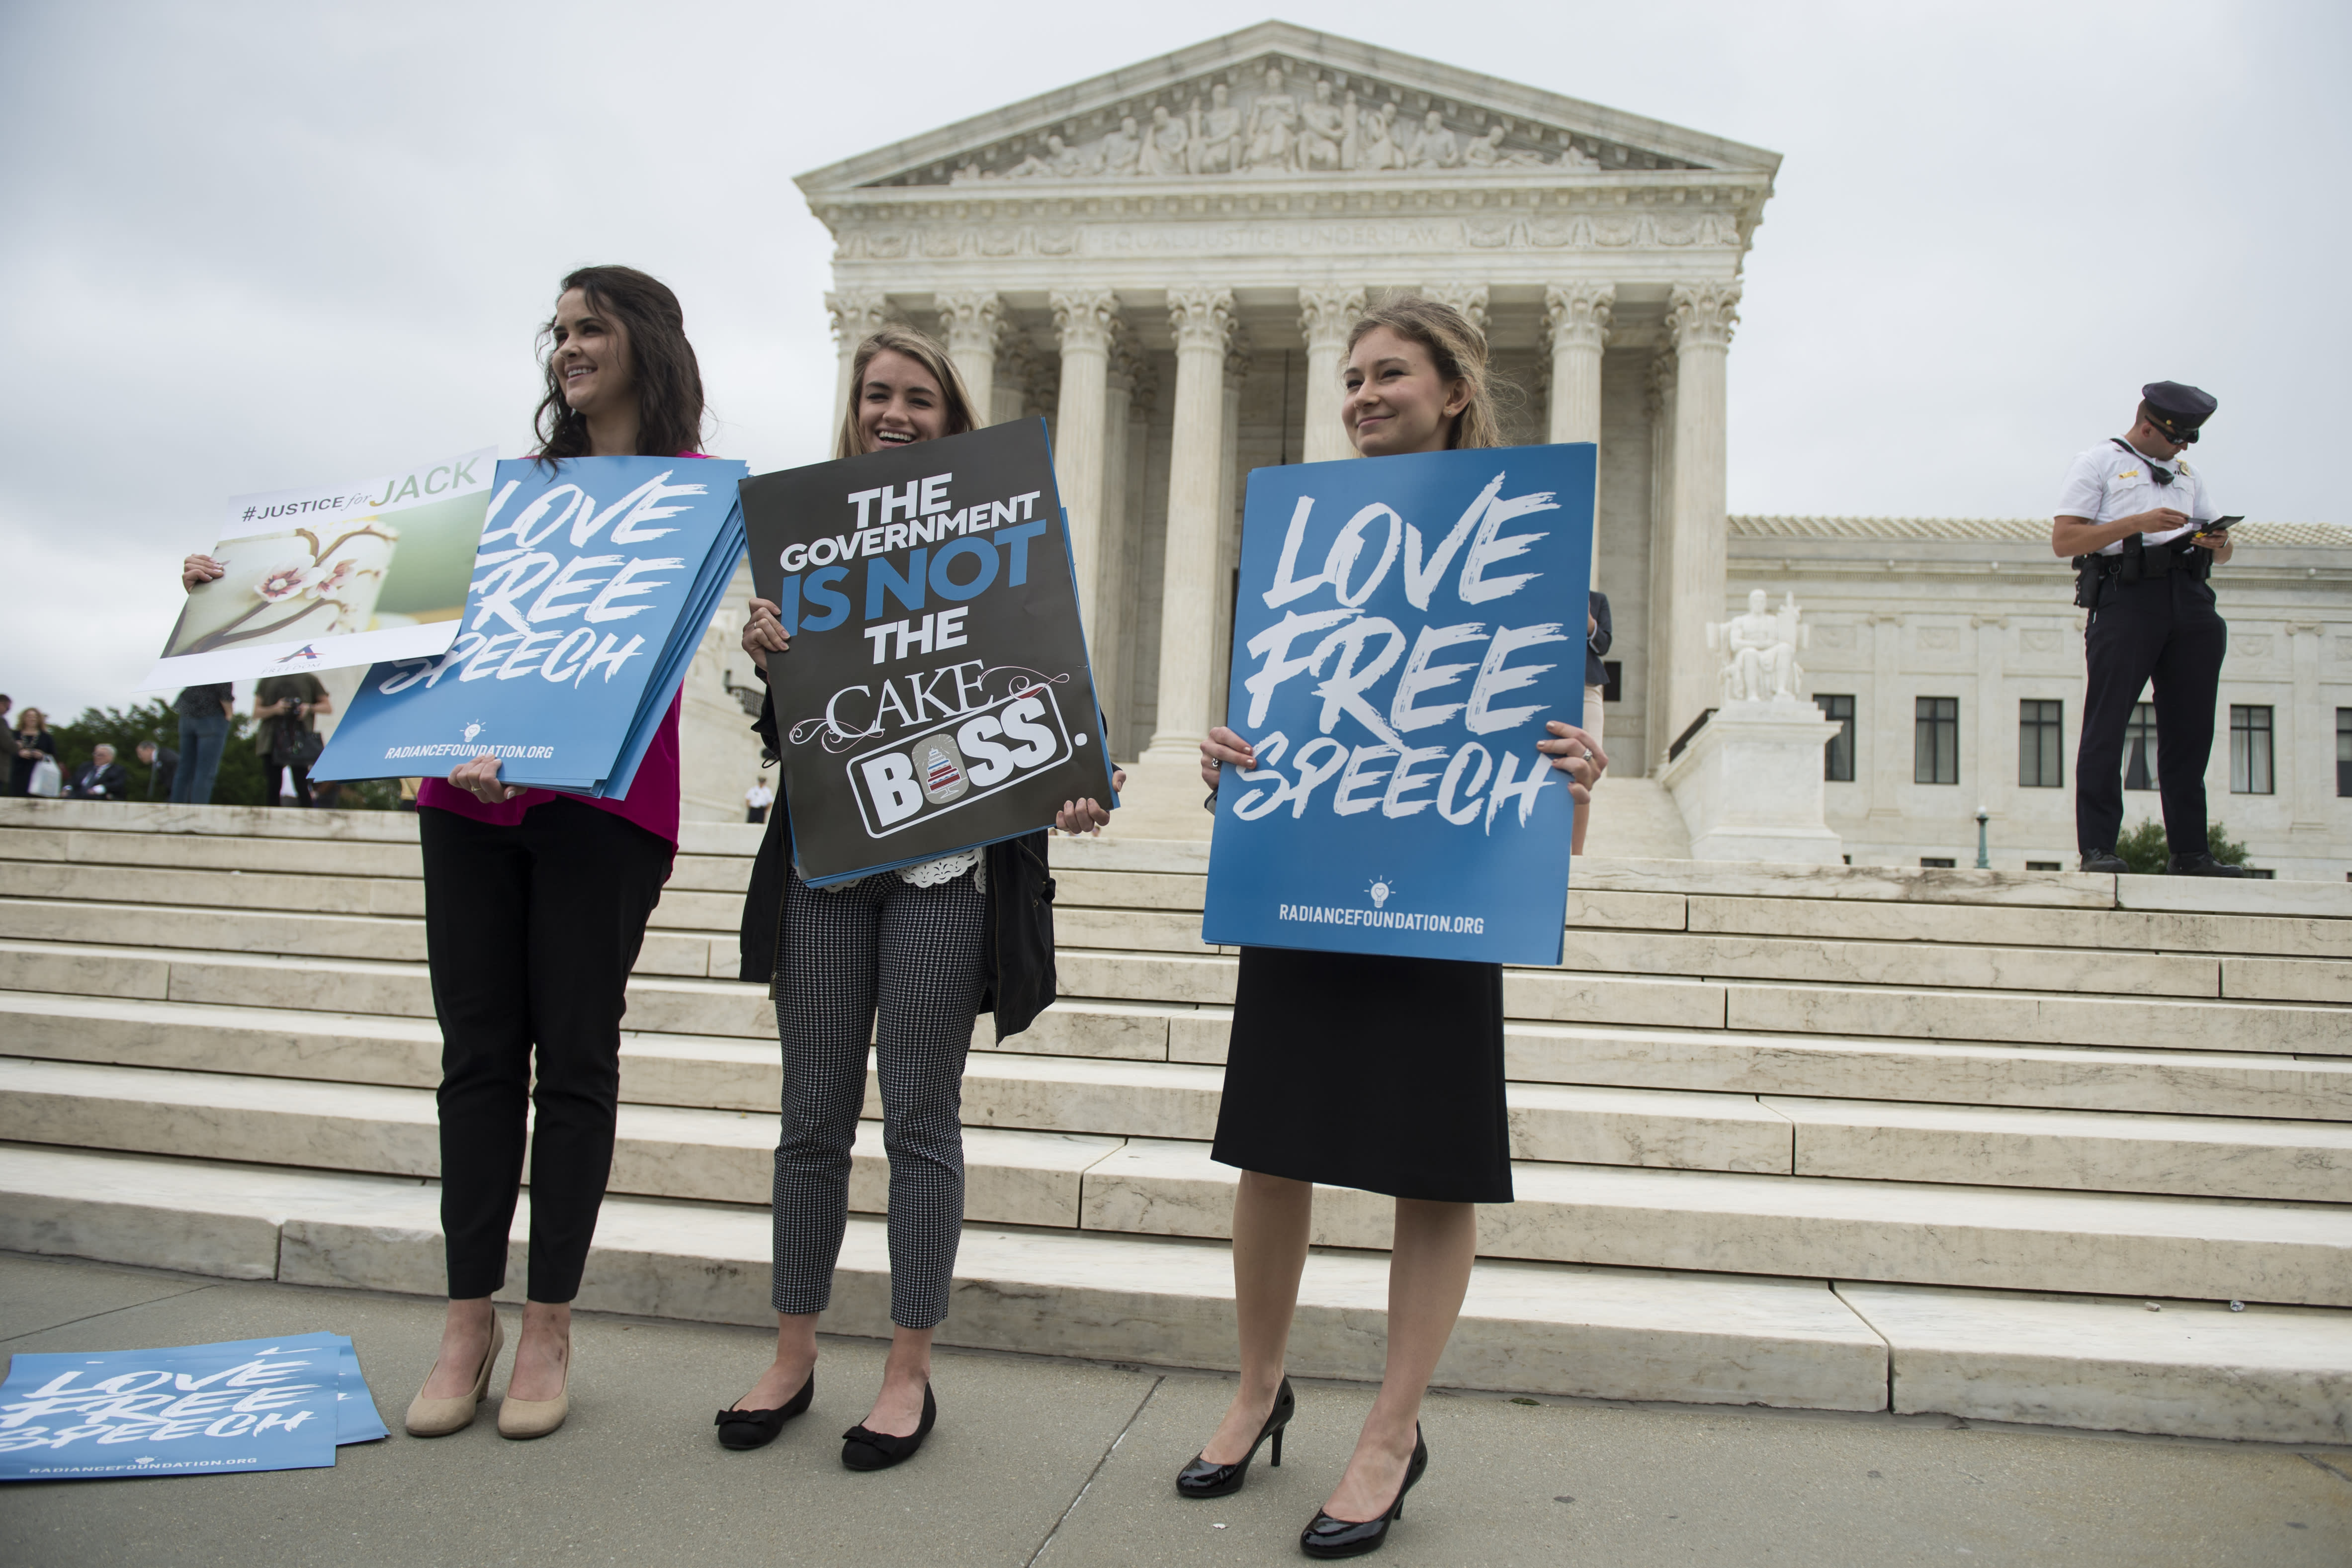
(247, 1405)
(1406, 629)
(594, 582)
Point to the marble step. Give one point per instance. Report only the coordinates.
(1885, 1231)
(383, 877)
(671, 1004)
(302, 892)
(302, 935)
(2193, 1369)
(2057, 1077)
(680, 1094)
(1612, 1333)
(723, 1156)
(2072, 1151)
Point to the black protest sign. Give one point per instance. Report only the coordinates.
(937, 694)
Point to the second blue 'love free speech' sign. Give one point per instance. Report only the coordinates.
(1406, 629)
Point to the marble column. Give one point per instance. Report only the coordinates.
(856, 316)
(973, 323)
(1084, 318)
(1576, 318)
(1019, 370)
(1104, 646)
(1470, 299)
(1660, 397)
(1229, 522)
(1203, 322)
(1325, 315)
(2309, 731)
(1699, 321)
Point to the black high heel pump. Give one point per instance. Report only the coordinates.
(1328, 1537)
(742, 1429)
(1202, 1479)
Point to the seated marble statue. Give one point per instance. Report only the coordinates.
(1120, 149)
(1760, 651)
(1163, 145)
(1324, 130)
(1435, 147)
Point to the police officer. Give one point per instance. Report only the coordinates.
(2132, 516)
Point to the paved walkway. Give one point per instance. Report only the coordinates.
(1064, 1463)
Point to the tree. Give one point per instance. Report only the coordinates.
(244, 776)
(2146, 851)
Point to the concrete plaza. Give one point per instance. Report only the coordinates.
(1062, 1463)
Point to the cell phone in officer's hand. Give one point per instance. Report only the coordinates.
(2216, 529)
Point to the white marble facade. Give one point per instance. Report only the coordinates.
(1979, 611)
(1163, 262)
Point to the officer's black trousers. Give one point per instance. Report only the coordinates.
(2163, 629)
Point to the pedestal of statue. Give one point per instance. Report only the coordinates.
(1748, 784)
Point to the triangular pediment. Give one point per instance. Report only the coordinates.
(1280, 102)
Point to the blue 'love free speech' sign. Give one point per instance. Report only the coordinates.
(1406, 627)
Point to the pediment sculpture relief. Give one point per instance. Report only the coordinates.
(1285, 124)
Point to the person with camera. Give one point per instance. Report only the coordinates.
(286, 730)
(2145, 536)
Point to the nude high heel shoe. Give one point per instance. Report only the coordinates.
(439, 1418)
(536, 1418)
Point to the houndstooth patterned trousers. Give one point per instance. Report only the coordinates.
(917, 954)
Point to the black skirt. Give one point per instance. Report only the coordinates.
(1382, 1074)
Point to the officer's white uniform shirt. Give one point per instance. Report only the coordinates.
(2107, 484)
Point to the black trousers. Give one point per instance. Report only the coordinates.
(2163, 629)
(531, 930)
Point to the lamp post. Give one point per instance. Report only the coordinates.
(1984, 861)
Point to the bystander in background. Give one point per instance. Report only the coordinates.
(162, 765)
(34, 760)
(100, 778)
(757, 799)
(286, 733)
(1597, 638)
(204, 733)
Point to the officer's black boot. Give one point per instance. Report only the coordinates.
(2104, 860)
(2201, 863)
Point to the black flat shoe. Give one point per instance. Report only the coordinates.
(2200, 864)
(1328, 1537)
(1202, 1479)
(757, 1428)
(865, 1451)
(2106, 861)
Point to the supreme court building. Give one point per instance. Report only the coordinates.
(1163, 262)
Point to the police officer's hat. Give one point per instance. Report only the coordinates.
(2177, 409)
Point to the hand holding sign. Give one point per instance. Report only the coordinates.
(1391, 742)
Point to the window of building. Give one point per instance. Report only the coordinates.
(2250, 750)
(2343, 751)
(1612, 680)
(2261, 873)
(2043, 865)
(1938, 862)
(1837, 752)
(2139, 747)
(2040, 745)
(1936, 741)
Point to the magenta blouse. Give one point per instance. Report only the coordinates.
(652, 801)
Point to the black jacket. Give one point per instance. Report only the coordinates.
(1598, 642)
(92, 782)
(1020, 940)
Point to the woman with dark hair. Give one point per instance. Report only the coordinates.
(535, 906)
(1324, 1045)
(905, 959)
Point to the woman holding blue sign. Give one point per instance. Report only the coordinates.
(535, 906)
(1380, 1073)
(906, 959)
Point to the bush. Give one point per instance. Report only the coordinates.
(2146, 852)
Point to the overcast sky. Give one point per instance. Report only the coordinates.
(249, 248)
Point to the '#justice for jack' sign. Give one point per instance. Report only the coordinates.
(937, 694)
